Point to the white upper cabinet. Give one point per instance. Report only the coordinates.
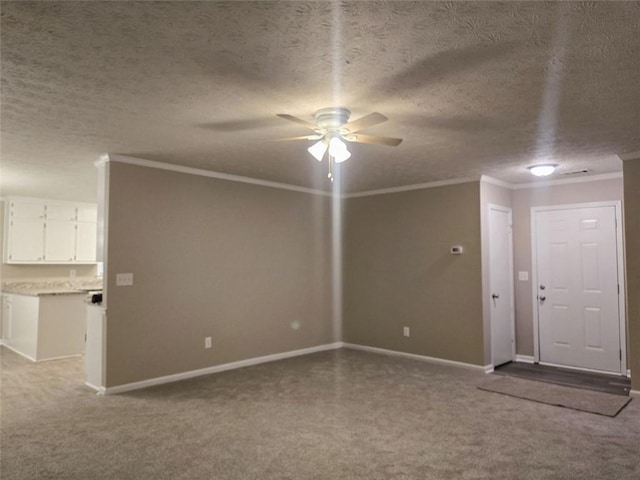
(87, 213)
(31, 208)
(85, 242)
(24, 240)
(61, 211)
(48, 231)
(59, 241)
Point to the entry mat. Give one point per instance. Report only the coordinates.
(575, 398)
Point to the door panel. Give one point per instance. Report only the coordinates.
(501, 275)
(577, 272)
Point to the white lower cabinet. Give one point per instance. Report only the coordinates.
(44, 327)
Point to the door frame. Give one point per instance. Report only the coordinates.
(622, 295)
(512, 310)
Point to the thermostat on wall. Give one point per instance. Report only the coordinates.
(456, 250)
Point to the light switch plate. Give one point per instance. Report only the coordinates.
(523, 276)
(124, 279)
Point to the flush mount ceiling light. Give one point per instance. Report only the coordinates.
(543, 169)
(332, 129)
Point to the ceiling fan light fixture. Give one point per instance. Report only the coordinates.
(318, 150)
(338, 150)
(542, 170)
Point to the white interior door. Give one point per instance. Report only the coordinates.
(577, 288)
(501, 282)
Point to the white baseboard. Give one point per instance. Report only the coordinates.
(489, 368)
(99, 390)
(439, 361)
(24, 355)
(634, 393)
(524, 358)
(216, 369)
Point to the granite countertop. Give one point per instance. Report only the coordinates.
(52, 286)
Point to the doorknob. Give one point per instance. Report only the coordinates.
(495, 296)
(542, 298)
(542, 287)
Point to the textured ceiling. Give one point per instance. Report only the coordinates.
(472, 88)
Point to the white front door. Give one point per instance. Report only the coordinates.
(577, 288)
(501, 285)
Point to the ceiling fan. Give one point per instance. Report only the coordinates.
(332, 129)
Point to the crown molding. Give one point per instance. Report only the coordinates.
(495, 181)
(417, 186)
(566, 181)
(111, 157)
(630, 156)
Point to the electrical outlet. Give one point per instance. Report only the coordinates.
(405, 331)
(72, 273)
(124, 279)
(207, 342)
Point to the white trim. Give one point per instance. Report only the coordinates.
(112, 157)
(620, 267)
(205, 173)
(630, 156)
(565, 181)
(6, 345)
(99, 390)
(417, 186)
(218, 368)
(395, 353)
(489, 368)
(102, 160)
(628, 373)
(495, 181)
(524, 358)
(634, 393)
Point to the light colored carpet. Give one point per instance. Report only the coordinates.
(334, 415)
(559, 395)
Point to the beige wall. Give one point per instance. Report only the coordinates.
(11, 272)
(398, 272)
(523, 200)
(490, 194)
(240, 263)
(632, 247)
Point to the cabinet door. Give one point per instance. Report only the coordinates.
(86, 242)
(6, 317)
(59, 241)
(61, 212)
(33, 209)
(87, 213)
(25, 240)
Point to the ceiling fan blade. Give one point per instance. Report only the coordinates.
(297, 120)
(360, 138)
(302, 137)
(365, 122)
